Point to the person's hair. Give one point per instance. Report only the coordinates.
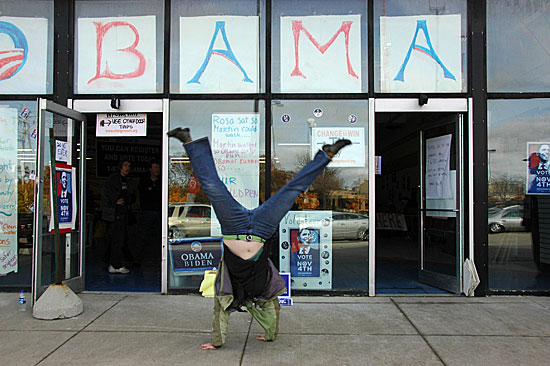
(121, 163)
(151, 162)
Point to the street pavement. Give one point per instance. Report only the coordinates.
(153, 329)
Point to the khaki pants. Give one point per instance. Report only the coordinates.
(221, 319)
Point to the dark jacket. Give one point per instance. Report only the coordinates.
(111, 192)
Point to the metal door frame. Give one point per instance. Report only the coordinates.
(432, 278)
(141, 106)
(76, 283)
(459, 105)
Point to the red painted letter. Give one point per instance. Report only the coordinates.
(297, 28)
(101, 30)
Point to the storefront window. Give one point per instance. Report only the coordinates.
(17, 174)
(119, 46)
(333, 214)
(420, 46)
(236, 136)
(517, 51)
(26, 37)
(217, 46)
(319, 46)
(519, 194)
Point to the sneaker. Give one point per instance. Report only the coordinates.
(122, 269)
(333, 149)
(184, 135)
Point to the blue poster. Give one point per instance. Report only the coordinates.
(194, 255)
(304, 253)
(538, 169)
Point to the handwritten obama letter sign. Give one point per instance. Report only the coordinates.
(117, 54)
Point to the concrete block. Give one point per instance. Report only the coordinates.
(57, 302)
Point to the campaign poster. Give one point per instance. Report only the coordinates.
(236, 152)
(23, 55)
(321, 54)
(352, 156)
(306, 249)
(8, 190)
(117, 53)
(538, 168)
(66, 198)
(421, 53)
(304, 252)
(219, 54)
(189, 256)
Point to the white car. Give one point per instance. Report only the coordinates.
(508, 219)
(347, 225)
(188, 220)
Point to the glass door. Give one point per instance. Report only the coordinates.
(59, 238)
(441, 204)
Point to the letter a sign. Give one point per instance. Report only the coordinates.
(117, 54)
(421, 54)
(219, 54)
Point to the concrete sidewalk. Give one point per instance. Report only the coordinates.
(152, 329)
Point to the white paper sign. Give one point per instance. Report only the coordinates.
(350, 156)
(321, 54)
(305, 248)
(438, 183)
(117, 54)
(121, 124)
(420, 54)
(236, 152)
(61, 151)
(8, 190)
(23, 55)
(219, 54)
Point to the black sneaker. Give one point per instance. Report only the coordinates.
(182, 134)
(333, 149)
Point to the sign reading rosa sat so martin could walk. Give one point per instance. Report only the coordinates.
(121, 124)
(236, 152)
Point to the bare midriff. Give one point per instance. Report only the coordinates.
(243, 249)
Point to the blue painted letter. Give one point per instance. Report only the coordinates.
(421, 25)
(227, 53)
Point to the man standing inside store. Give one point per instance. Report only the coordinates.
(116, 211)
(150, 199)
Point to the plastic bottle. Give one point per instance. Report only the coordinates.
(22, 301)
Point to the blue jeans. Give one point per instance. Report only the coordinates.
(236, 219)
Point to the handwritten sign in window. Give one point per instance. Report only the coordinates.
(236, 152)
(8, 190)
(438, 183)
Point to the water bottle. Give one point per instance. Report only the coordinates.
(22, 301)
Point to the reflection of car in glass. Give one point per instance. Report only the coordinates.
(493, 211)
(508, 219)
(347, 225)
(188, 220)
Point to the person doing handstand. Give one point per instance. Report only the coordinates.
(247, 276)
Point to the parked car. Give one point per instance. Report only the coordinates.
(346, 226)
(508, 219)
(188, 220)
